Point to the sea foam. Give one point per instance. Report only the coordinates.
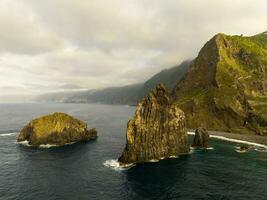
(238, 141)
(174, 156)
(114, 164)
(153, 160)
(24, 143)
(238, 150)
(234, 140)
(44, 146)
(8, 134)
(190, 133)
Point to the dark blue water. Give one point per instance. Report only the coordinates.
(77, 171)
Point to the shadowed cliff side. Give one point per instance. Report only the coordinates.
(156, 131)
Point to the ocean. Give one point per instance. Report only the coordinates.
(90, 171)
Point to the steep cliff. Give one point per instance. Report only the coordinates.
(156, 131)
(225, 87)
(56, 129)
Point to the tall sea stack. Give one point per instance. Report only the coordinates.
(156, 131)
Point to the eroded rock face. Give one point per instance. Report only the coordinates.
(56, 129)
(157, 130)
(201, 139)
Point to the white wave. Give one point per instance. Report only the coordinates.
(260, 150)
(238, 141)
(209, 148)
(24, 143)
(192, 149)
(240, 151)
(45, 146)
(153, 160)
(251, 148)
(173, 157)
(233, 140)
(54, 145)
(8, 134)
(114, 164)
(190, 133)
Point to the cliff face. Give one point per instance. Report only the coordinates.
(225, 87)
(56, 129)
(157, 130)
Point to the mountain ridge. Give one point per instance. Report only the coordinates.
(217, 90)
(224, 88)
(128, 95)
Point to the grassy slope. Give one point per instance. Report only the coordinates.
(217, 91)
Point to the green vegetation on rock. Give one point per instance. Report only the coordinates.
(226, 86)
(56, 129)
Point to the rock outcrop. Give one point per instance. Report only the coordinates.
(156, 131)
(243, 148)
(56, 129)
(201, 139)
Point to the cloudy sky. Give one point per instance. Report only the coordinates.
(51, 45)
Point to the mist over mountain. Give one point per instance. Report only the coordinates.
(128, 95)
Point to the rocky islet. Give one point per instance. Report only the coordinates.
(56, 129)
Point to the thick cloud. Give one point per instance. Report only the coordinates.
(22, 33)
(64, 44)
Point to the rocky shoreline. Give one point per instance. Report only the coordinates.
(236, 136)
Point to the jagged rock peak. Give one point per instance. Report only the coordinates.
(156, 131)
(160, 94)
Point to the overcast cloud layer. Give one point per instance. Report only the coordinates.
(50, 45)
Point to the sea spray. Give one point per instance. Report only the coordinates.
(114, 164)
